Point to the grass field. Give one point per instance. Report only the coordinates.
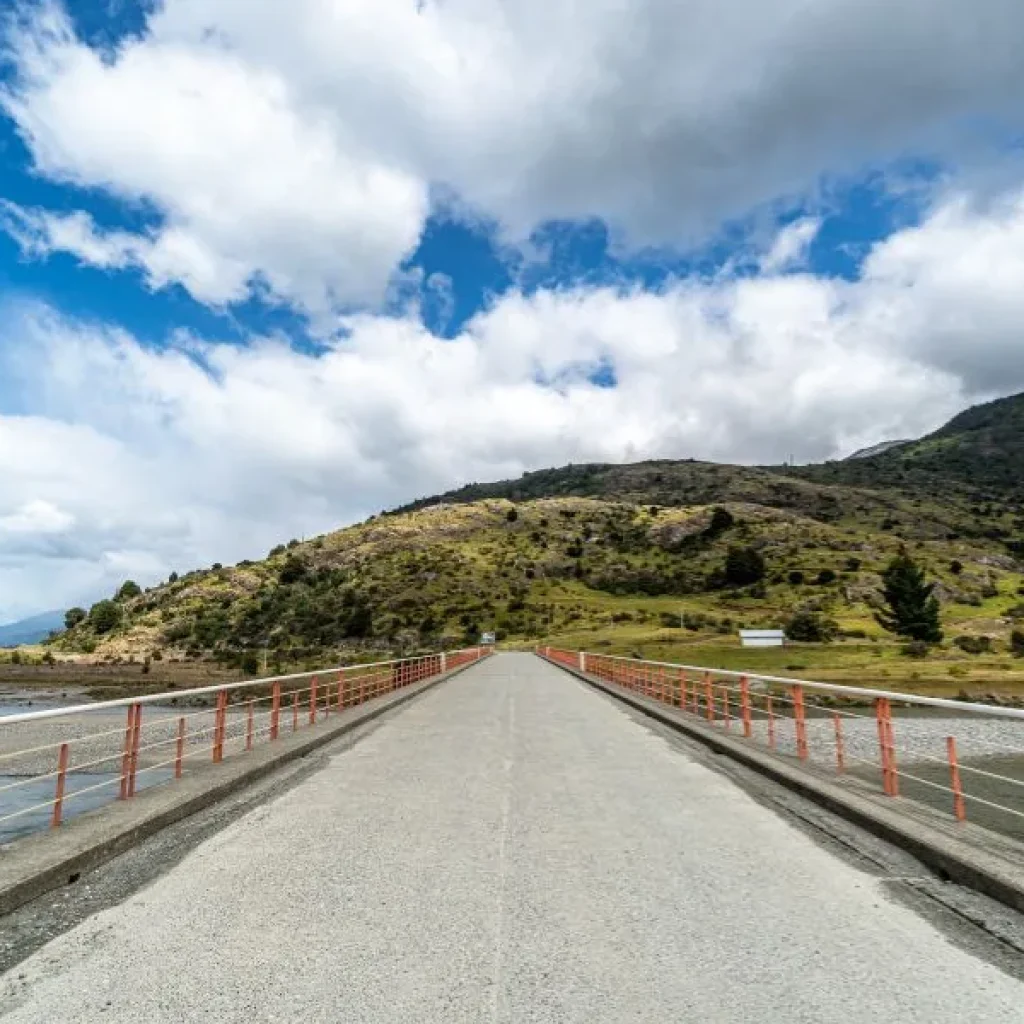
(877, 664)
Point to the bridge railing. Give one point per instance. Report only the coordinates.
(65, 760)
(964, 758)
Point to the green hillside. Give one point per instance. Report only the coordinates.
(654, 552)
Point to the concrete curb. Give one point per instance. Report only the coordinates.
(953, 858)
(44, 861)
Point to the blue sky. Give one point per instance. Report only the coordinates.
(266, 271)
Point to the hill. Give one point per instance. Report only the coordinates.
(31, 630)
(603, 549)
(978, 456)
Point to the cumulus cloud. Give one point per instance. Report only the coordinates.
(294, 144)
(138, 461)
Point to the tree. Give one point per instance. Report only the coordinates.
(811, 628)
(744, 566)
(721, 520)
(73, 616)
(911, 609)
(104, 616)
(129, 589)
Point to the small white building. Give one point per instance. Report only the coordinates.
(762, 637)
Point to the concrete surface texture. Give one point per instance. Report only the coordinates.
(510, 847)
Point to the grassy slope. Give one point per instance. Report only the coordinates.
(442, 573)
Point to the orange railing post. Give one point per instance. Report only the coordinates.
(220, 722)
(799, 715)
(179, 749)
(840, 753)
(126, 756)
(883, 745)
(341, 689)
(745, 706)
(136, 737)
(58, 797)
(725, 706)
(890, 739)
(295, 710)
(771, 721)
(275, 711)
(312, 701)
(959, 807)
(709, 697)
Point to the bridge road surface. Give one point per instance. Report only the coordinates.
(510, 847)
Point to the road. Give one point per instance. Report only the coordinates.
(510, 847)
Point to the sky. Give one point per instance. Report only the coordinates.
(268, 268)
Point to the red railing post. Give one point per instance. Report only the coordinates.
(799, 715)
(126, 756)
(725, 706)
(840, 753)
(179, 749)
(883, 746)
(58, 797)
(136, 737)
(220, 722)
(745, 706)
(709, 697)
(771, 721)
(312, 701)
(890, 739)
(682, 690)
(959, 807)
(275, 711)
(295, 710)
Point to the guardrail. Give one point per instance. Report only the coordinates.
(84, 756)
(964, 758)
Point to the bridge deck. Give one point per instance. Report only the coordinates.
(511, 847)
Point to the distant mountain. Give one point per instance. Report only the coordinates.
(875, 449)
(31, 630)
(978, 454)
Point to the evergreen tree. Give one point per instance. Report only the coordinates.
(911, 608)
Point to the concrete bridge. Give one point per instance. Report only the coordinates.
(514, 845)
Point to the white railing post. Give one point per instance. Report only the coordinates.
(583, 662)
(444, 662)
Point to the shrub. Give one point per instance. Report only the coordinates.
(853, 565)
(744, 566)
(1017, 643)
(973, 644)
(512, 515)
(825, 577)
(669, 620)
(1016, 612)
(721, 520)
(129, 589)
(15, 657)
(104, 616)
(811, 628)
(173, 578)
(796, 578)
(73, 616)
(956, 567)
(915, 649)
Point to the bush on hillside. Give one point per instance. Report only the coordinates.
(973, 644)
(811, 628)
(104, 616)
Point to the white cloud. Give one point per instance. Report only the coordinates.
(790, 247)
(294, 143)
(138, 461)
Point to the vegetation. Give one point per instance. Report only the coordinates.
(912, 610)
(655, 553)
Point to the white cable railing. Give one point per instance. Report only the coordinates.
(63, 760)
(965, 758)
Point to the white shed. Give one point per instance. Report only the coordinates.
(762, 637)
